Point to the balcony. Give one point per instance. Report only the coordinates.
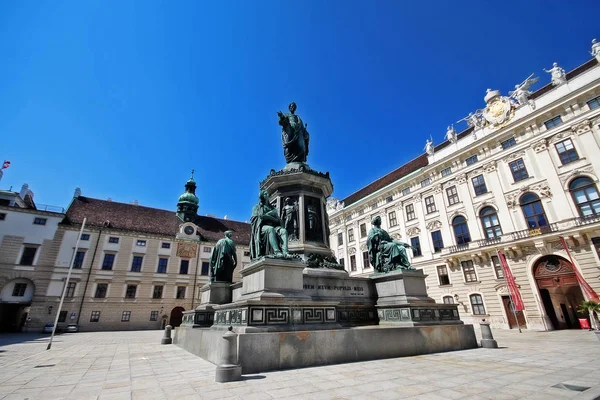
(458, 248)
(490, 241)
(527, 233)
(588, 219)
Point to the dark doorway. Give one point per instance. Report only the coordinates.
(510, 315)
(566, 315)
(176, 316)
(12, 317)
(548, 307)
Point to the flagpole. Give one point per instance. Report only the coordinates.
(512, 301)
(62, 297)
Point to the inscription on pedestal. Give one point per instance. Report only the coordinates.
(329, 290)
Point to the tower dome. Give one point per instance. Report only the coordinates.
(187, 204)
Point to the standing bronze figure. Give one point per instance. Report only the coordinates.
(294, 136)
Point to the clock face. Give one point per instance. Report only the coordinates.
(188, 230)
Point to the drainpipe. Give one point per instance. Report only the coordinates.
(88, 276)
(196, 274)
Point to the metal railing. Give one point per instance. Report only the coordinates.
(489, 241)
(541, 230)
(588, 219)
(459, 247)
(48, 208)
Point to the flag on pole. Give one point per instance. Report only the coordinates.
(511, 284)
(6, 164)
(587, 290)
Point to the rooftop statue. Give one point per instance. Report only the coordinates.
(223, 260)
(451, 134)
(521, 93)
(268, 236)
(429, 149)
(385, 253)
(294, 136)
(474, 119)
(595, 49)
(558, 74)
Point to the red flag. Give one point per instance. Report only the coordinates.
(511, 284)
(6, 164)
(587, 290)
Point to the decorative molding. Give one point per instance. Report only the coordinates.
(560, 136)
(462, 178)
(396, 236)
(363, 247)
(475, 173)
(582, 127)
(416, 198)
(434, 225)
(540, 146)
(490, 167)
(437, 189)
(578, 171)
(514, 156)
(414, 231)
(541, 189)
(352, 250)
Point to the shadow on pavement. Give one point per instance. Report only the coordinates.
(23, 338)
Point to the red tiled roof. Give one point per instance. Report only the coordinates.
(135, 218)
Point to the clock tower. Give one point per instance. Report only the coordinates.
(187, 205)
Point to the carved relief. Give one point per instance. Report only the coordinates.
(541, 189)
(363, 247)
(475, 172)
(396, 236)
(578, 171)
(434, 225)
(352, 250)
(582, 127)
(417, 198)
(560, 136)
(514, 156)
(414, 231)
(540, 146)
(490, 167)
(437, 189)
(462, 178)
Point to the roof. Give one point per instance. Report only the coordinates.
(135, 218)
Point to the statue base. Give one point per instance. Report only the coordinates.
(211, 294)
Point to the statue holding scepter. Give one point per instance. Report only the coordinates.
(294, 136)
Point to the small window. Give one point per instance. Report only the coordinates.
(125, 316)
(363, 230)
(389, 199)
(365, 256)
(101, 290)
(40, 221)
(461, 230)
(425, 182)
(490, 223)
(166, 245)
(78, 261)
(551, 123)
(341, 261)
(136, 263)
(430, 204)
(85, 236)
(594, 103)
(442, 271)
(95, 316)
(446, 171)
(452, 194)
(71, 290)
(471, 160)
(19, 289)
(533, 211)
(2, 216)
(477, 304)
(62, 316)
(410, 212)
(438, 243)
(246, 254)
(586, 197)
(350, 235)
(469, 271)
(406, 191)
(141, 243)
(180, 292)
(340, 238)
(153, 315)
(416, 243)
(353, 263)
(392, 218)
(162, 265)
(566, 151)
(448, 300)
(113, 239)
(497, 267)
(183, 267)
(28, 256)
(206, 249)
(108, 262)
(479, 185)
(157, 293)
(518, 170)
(508, 143)
(204, 270)
(131, 291)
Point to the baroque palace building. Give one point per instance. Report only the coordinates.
(135, 268)
(524, 173)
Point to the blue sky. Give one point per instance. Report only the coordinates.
(123, 99)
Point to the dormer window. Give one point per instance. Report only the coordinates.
(141, 243)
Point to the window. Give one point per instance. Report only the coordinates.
(425, 182)
(40, 221)
(85, 236)
(28, 255)
(410, 212)
(95, 316)
(350, 235)
(141, 243)
(461, 230)
(497, 267)
(551, 123)
(585, 195)
(136, 263)
(341, 261)
(392, 218)
(162, 265)
(490, 223)
(19, 289)
(353, 263)
(340, 238)
(109, 259)
(125, 316)
(62, 316)
(471, 160)
(183, 267)
(452, 194)
(206, 249)
(430, 204)
(442, 271)
(389, 199)
(406, 191)
(204, 270)
(365, 255)
(594, 103)
(2, 216)
(479, 185)
(71, 289)
(130, 292)
(446, 171)
(448, 300)
(518, 170)
(180, 292)
(78, 261)
(508, 143)
(566, 151)
(438, 243)
(101, 290)
(416, 243)
(533, 211)
(363, 230)
(165, 245)
(477, 304)
(153, 315)
(157, 292)
(469, 271)
(113, 239)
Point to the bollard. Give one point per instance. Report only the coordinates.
(228, 369)
(167, 338)
(487, 339)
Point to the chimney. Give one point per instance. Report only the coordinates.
(226, 218)
(25, 191)
(77, 192)
(135, 203)
(109, 199)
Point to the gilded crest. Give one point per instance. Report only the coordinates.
(499, 109)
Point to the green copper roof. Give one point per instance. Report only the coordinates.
(188, 197)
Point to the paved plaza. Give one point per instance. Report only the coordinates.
(133, 365)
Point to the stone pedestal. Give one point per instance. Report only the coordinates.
(403, 301)
(211, 294)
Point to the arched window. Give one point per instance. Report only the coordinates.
(461, 230)
(448, 299)
(533, 211)
(477, 304)
(490, 222)
(585, 195)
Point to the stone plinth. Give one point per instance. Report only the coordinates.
(211, 294)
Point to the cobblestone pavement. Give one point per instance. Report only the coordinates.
(133, 365)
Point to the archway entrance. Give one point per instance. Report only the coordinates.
(559, 291)
(176, 316)
(16, 298)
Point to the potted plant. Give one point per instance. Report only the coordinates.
(591, 308)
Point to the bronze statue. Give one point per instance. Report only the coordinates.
(223, 260)
(289, 215)
(385, 253)
(268, 237)
(294, 136)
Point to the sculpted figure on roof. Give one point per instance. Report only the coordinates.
(294, 136)
(559, 76)
(522, 93)
(429, 149)
(223, 260)
(595, 49)
(451, 134)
